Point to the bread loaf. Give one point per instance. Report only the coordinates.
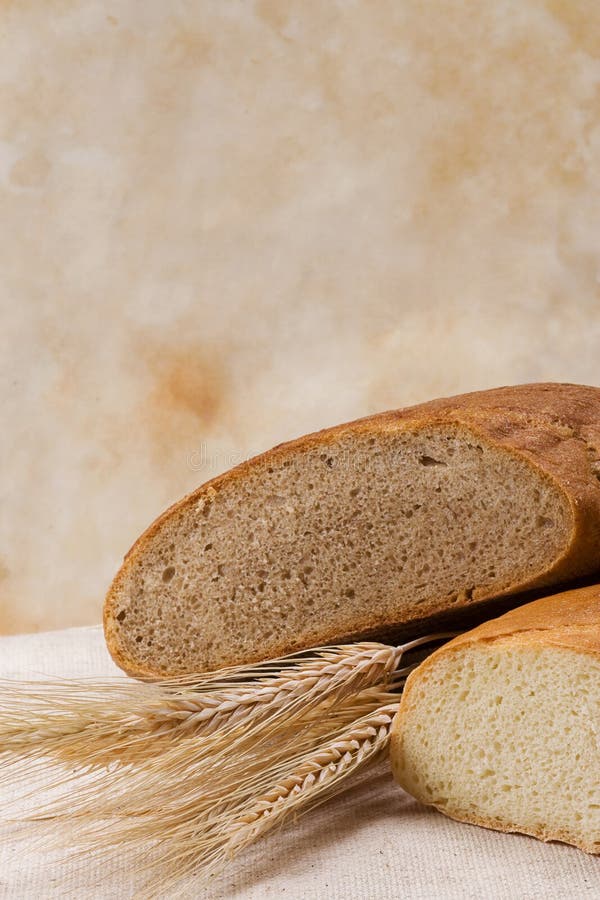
(501, 726)
(388, 520)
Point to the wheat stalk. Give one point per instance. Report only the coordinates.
(200, 834)
(200, 766)
(128, 723)
(204, 769)
(96, 723)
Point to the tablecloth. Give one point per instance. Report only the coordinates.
(374, 842)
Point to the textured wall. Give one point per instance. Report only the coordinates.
(227, 223)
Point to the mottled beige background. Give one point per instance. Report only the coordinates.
(227, 223)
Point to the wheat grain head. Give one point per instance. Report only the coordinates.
(201, 766)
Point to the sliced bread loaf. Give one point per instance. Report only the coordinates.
(501, 726)
(344, 533)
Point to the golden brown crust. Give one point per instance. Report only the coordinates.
(555, 427)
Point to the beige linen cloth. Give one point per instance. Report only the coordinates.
(374, 842)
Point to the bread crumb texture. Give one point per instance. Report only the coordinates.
(333, 536)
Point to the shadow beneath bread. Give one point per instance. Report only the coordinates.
(465, 617)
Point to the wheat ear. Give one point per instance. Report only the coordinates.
(203, 834)
(172, 734)
(188, 764)
(93, 723)
(321, 773)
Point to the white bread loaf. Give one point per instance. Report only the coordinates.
(501, 726)
(379, 523)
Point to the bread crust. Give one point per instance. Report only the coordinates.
(562, 836)
(554, 427)
(569, 620)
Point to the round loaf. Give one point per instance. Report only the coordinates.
(371, 525)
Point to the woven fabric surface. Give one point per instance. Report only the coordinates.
(374, 842)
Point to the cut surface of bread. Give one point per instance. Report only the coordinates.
(501, 727)
(386, 520)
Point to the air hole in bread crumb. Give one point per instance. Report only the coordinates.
(350, 593)
(168, 573)
(121, 615)
(544, 522)
(431, 461)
